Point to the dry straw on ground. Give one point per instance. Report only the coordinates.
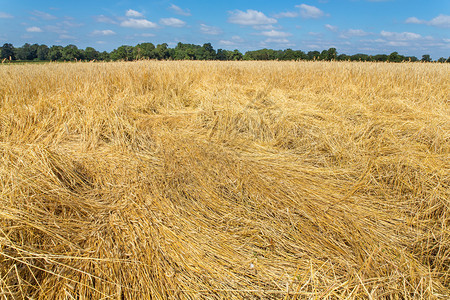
(209, 180)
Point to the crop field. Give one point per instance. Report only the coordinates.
(225, 180)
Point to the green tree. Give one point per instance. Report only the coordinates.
(71, 52)
(162, 51)
(221, 54)
(210, 53)
(426, 58)
(32, 54)
(42, 52)
(55, 53)
(90, 53)
(144, 50)
(323, 55)
(394, 57)
(22, 53)
(124, 52)
(343, 57)
(360, 57)
(313, 55)
(262, 54)
(332, 54)
(290, 54)
(7, 51)
(412, 58)
(380, 57)
(104, 56)
(235, 55)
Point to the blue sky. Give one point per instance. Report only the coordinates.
(351, 26)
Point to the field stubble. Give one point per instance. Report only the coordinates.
(220, 180)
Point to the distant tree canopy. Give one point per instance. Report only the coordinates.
(183, 51)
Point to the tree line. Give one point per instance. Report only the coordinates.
(181, 51)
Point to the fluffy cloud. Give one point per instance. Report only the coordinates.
(4, 15)
(172, 22)
(104, 19)
(227, 43)
(55, 29)
(67, 37)
(146, 34)
(310, 12)
(280, 42)
(210, 29)
(275, 34)
(264, 27)
(138, 23)
(235, 39)
(331, 27)
(353, 32)
(414, 20)
(133, 14)
(357, 32)
(288, 14)
(43, 15)
(250, 18)
(103, 32)
(34, 29)
(439, 21)
(179, 11)
(400, 36)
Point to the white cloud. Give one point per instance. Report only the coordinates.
(414, 20)
(133, 14)
(67, 37)
(277, 41)
(313, 46)
(250, 17)
(43, 15)
(210, 29)
(439, 21)
(147, 34)
(227, 43)
(331, 27)
(353, 32)
(400, 36)
(104, 19)
(178, 10)
(172, 22)
(357, 32)
(235, 39)
(264, 27)
(34, 29)
(288, 14)
(4, 15)
(310, 12)
(103, 32)
(275, 33)
(69, 24)
(398, 44)
(138, 23)
(55, 29)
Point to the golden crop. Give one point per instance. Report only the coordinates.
(224, 180)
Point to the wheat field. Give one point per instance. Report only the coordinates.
(225, 180)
